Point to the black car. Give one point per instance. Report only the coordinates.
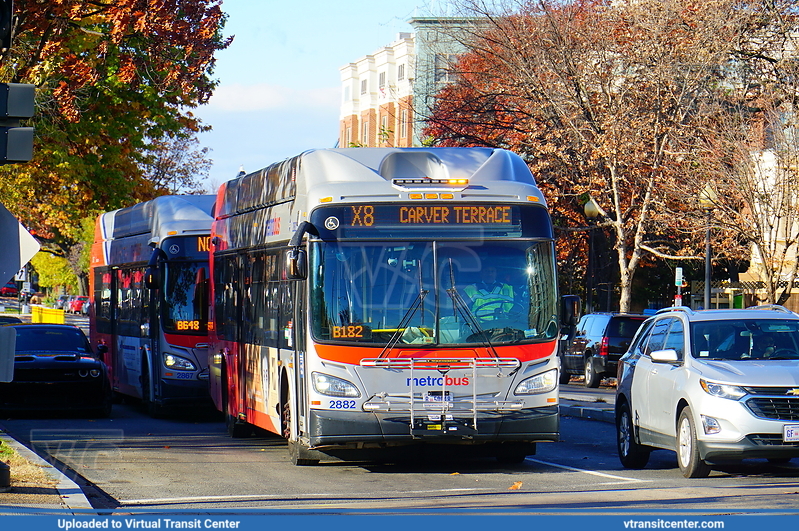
(10, 319)
(56, 370)
(599, 341)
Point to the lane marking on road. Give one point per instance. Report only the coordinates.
(584, 471)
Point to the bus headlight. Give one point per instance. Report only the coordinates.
(540, 383)
(332, 386)
(178, 363)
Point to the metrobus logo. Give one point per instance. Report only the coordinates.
(433, 381)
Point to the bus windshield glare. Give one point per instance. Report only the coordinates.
(434, 293)
(185, 299)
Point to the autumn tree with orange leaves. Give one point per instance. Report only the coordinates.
(115, 80)
(605, 100)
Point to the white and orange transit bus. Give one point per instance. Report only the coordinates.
(340, 317)
(149, 312)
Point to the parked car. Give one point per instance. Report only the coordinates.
(76, 304)
(712, 385)
(9, 319)
(599, 341)
(55, 369)
(61, 301)
(9, 290)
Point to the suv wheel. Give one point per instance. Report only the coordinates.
(592, 379)
(688, 458)
(631, 454)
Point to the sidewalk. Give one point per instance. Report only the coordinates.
(66, 497)
(588, 405)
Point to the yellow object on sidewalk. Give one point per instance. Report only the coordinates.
(40, 314)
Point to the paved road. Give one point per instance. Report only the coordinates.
(132, 461)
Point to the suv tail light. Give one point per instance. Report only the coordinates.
(603, 347)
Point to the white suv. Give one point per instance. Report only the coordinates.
(712, 385)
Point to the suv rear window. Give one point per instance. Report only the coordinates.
(624, 326)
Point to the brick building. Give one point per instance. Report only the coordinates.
(387, 95)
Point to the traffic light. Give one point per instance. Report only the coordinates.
(16, 102)
(6, 23)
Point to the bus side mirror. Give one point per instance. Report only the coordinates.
(152, 275)
(152, 278)
(297, 264)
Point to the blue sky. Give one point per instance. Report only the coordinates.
(279, 86)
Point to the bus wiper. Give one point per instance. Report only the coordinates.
(417, 303)
(461, 307)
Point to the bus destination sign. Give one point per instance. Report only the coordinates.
(368, 215)
(437, 220)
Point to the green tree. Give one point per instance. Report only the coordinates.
(54, 271)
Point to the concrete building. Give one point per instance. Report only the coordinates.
(387, 95)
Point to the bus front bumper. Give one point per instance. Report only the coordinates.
(184, 393)
(343, 428)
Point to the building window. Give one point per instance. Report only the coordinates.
(401, 72)
(443, 67)
(381, 80)
(404, 123)
(363, 86)
(365, 134)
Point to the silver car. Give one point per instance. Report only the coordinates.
(713, 385)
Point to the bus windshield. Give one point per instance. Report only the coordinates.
(434, 293)
(185, 298)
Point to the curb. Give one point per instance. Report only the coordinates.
(591, 413)
(72, 497)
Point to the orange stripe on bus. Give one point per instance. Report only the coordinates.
(354, 355)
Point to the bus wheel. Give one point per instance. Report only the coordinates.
(235, 428)
(155, 410)
(299, 453)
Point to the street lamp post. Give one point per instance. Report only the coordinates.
(592, 212)
(707, 199)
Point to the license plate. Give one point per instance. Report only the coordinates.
(437, 396)
(790, 433)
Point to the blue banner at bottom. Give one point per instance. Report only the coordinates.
(394, 522)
